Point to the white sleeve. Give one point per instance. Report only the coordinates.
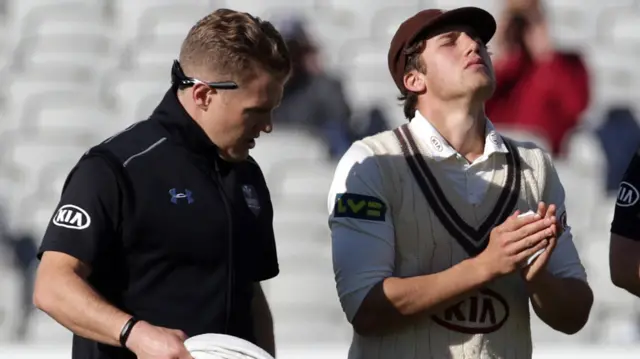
(362, 235)
(564, 261)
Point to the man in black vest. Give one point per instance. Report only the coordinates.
(624, 256)
(164, 231)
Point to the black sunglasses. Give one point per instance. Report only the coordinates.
(178, 78)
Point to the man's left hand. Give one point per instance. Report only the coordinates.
(530, 272)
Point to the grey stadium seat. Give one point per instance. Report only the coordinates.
(69, 111)
(145, 83)
(27, 154)
(90, 51)
(18, 11)
(287, 144)
(129, 13)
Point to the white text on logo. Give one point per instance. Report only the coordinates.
(627, 195)
(72, 217)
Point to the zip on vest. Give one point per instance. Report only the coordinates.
(230, 262)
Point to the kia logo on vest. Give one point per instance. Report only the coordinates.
(72, 217)
(628, 195)
(481, 313)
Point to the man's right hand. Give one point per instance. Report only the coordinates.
(513, 242)
(151, 342)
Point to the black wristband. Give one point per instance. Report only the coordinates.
(126, 330)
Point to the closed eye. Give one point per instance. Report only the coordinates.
(259, 110)
(450, 38)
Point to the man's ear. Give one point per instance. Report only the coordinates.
(414, 81)
(201, 96)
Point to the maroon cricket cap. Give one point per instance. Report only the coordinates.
(426, 21)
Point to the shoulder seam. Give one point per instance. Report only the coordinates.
(121, 132)
(145, 151)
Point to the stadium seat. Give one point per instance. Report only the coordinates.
(89, 51)
(147, 83)
(602, 214)
(46, 331)
(300, 178)
(156, 52)
(27, 154)
(9, 200)
(51, 178)
(493, 6)
(299, 210)
(148, 104)
(308, 281)
(297, 238)
(365, 60)
(287, 144)
(386, 20)
(304, 293)
(367, 80)
(572, 25)
(22, 93)
(171, 20)
(66, 18)
(128, 14)
(322, 326)
(611, 303)
(68, 111)
(260, 8)
(10, 298)
(19, 11)
(368, 8)
(359, 16)
(615, 75)
(618, 29)
(36, 81)
(585, 153)
(34, 213)
(582, 194)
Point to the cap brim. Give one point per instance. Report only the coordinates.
(481, 21)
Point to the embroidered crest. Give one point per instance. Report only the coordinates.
(494, 138)
(436, 143)
(251, 197)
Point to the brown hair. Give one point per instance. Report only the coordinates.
(414, 62)
(236, 44)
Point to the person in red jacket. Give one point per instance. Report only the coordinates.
(539, 88)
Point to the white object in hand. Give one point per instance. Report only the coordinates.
(221, 346)
(536, 254)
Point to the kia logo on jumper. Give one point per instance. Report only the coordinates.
(627, 195)
(72, 217)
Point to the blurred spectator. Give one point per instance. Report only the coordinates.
(539, 88)
(22, 249)
(313, 99)
(619, 135)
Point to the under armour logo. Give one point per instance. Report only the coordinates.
(175, 196)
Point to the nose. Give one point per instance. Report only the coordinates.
(268, 126)
(471, 44)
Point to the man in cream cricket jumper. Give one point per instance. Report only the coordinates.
(432, 256)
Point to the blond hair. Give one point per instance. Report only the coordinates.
(234, 44)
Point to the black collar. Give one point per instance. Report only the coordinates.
(172, 115)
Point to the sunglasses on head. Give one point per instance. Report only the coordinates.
(182, 81)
